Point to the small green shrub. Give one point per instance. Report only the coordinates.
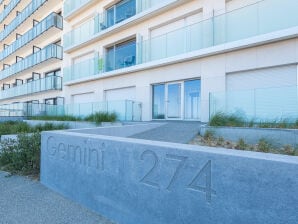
(208, 137)
(13, 127)
(263, 145)
(296, 124)
(18, 127)
(289, 150)
(237, 120)
(284, 123)
(251, 123)
(101, 117)
(209, 134)
(56, 118)
(48, 127)
(220, 141)
(241, 144)
(21, 156)
(222, 119)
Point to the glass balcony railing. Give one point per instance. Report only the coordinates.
(71, 5)
(126, 110)
(40, 85)
(257, 104)
(250, 21)
(86, 68)
(12, 4)
(50, 51)
(52, 20)
(27, 12)
(247, 22)
(105, 20)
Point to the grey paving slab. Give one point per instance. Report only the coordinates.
(24, 201)
(126, 130)
(171, 131)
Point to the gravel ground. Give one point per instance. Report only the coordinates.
(26, 201)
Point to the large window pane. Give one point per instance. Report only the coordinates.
(125, 54)
(110, 17)
(125, 10)
(121, 55)
(192, 98)
(174, 100)
(121, 11)
(158, 107)
(110, 59)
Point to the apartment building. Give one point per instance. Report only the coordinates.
(183, 59)
(30, 55)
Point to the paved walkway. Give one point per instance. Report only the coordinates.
(172, 131)
(23, 201)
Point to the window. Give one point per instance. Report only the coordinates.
(53, 73)
(192, 99)
(54, 101)
(51, 101)
(51, 80)
(121, 11)
(158, 108)
(177, 100)
(121, 55)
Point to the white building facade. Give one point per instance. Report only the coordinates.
(153, 60)
(172, 56)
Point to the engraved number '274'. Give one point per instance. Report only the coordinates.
(204, 174)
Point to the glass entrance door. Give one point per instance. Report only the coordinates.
(179, 100)
(174, 101)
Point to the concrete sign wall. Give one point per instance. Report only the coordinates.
(144, 182)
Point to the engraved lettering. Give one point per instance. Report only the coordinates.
(90, 154)
(91, 158)
(51, 146)
(205, 175)
(73, 151)
(145, 179)
(181, 160)
(62, 151)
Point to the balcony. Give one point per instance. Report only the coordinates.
(47, 55)
(7, 10)
(242, 24)
(108, 20)
(118, 56)
(41, 85)
(42, 6)
(27, 12)
(71, 6)
(37, 33)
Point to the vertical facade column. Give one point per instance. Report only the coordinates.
(213, 73)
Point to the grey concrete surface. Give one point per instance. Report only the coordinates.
(171, 131)
(136, 181)
(24, 201)
(167, 131)
(126, 130)
(277, 137)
